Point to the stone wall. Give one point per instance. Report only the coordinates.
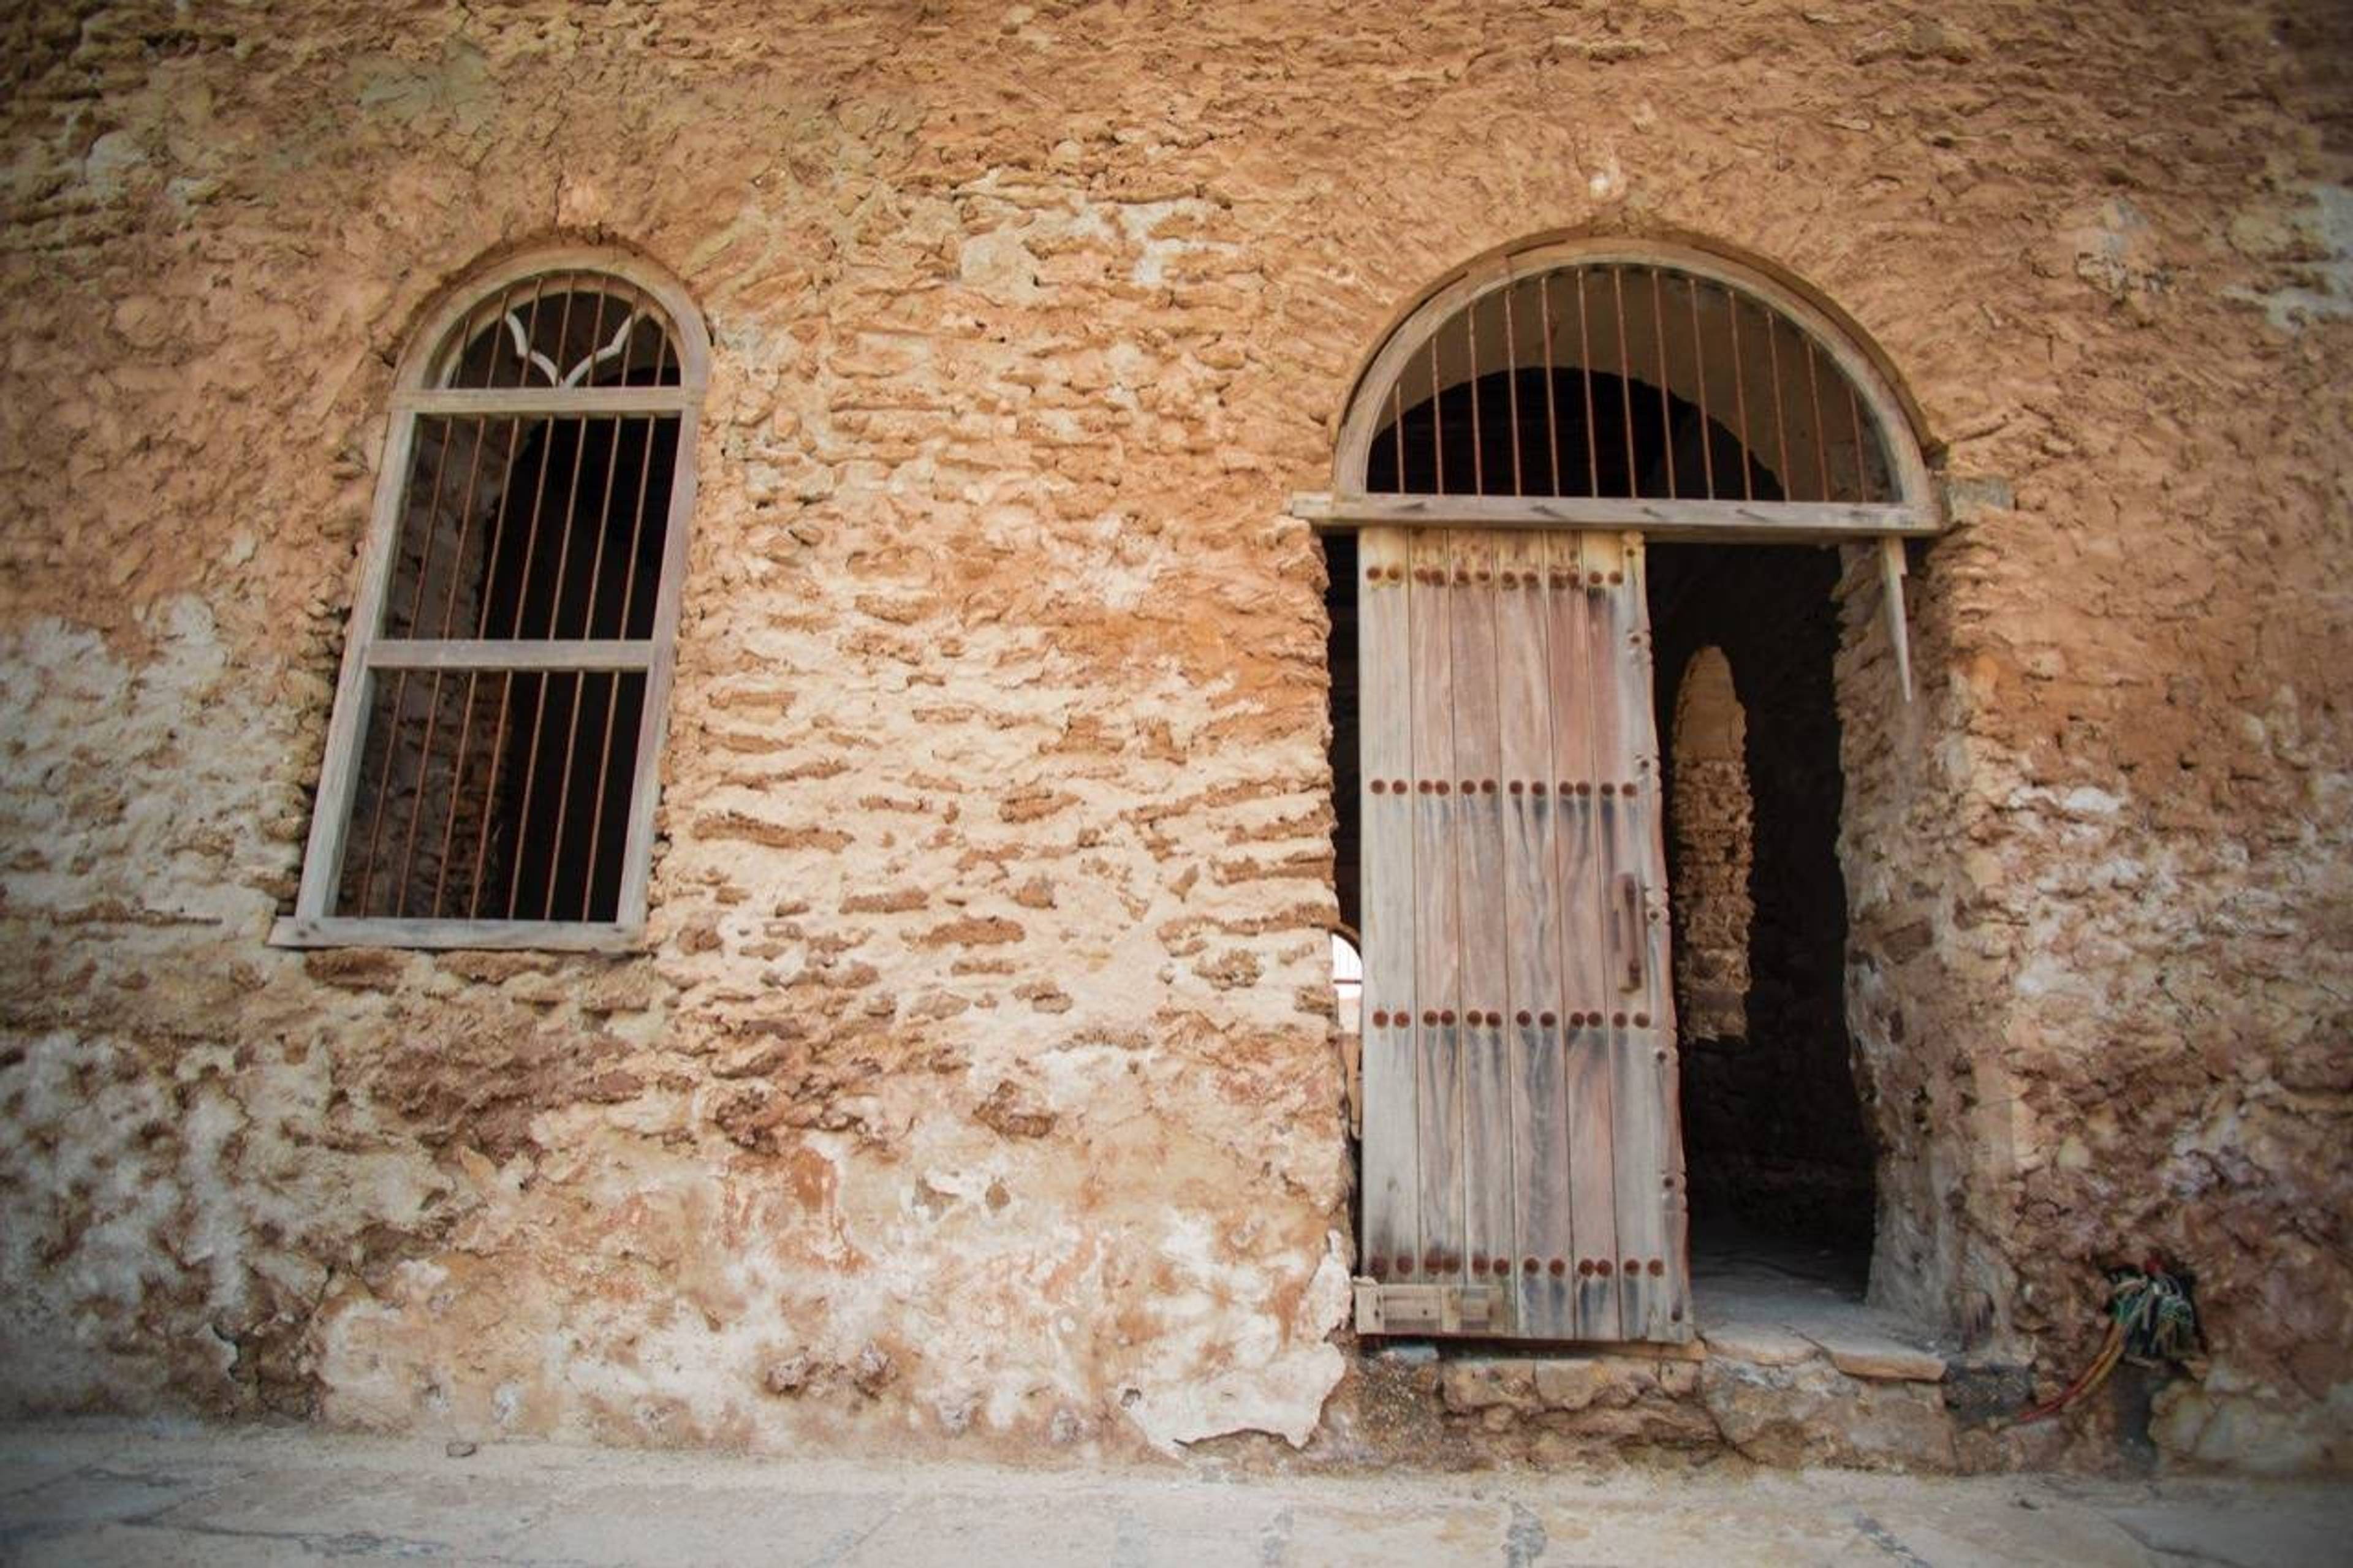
(1711, 837)
(976, 1085)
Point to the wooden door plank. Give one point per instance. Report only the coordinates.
(1651, 1211)
(1436, 930)
(1532, 918)
(1492, 1144)
(1625, 974)
(1391, 1171)
(1578, 719)
(1488, 1109)
(1607, 1019)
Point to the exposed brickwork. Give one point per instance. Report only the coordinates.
(1026, 319)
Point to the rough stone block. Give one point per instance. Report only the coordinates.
(1814, 1414)
(1476, 1385)
(1591, 1380)
(1891, 1363)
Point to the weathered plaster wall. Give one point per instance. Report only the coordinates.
(977, 1081)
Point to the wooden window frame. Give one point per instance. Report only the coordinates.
(367, 653)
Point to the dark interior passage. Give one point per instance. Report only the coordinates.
(1340, 653)
(1773, 1132)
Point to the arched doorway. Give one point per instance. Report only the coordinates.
(1512, 453)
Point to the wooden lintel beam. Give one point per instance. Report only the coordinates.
(466, 653)
(1804, 522)
(553, 936)
(547, 400)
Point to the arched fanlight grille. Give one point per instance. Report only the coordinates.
(1563, 380)
(1630, 382)
(559, 330)
(490, 770)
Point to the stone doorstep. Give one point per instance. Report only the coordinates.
(1569, 1382)
(1887, 1362)
(1762, 1345)
(1855, 1350)
(1767, 1350)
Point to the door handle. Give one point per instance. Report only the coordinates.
(1629, 902)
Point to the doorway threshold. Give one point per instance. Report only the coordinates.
(1767, 1299)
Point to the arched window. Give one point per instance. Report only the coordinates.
(489, 774)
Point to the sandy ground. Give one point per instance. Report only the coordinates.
(118, 1491)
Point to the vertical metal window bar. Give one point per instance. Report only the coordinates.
(1740, 399)
(1471, 357)
(1821, 437)
(1436, 437)
(1552, 408)
(1396, 428)
(1666, 409)
(1512, 383)
(1585, 364)
(1865, 489)
(1780, 426)
(1625, 377)
(1699, 380)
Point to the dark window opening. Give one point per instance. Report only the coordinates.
(1595, 435)
(490, 793)
(1599, 381)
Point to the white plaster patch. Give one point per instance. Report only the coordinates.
(2326, 226)
(2086, 801)
(1280, 1392)
(1000, 266)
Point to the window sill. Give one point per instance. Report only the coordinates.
(543, 936)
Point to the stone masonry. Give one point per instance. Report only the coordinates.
(977, 1087)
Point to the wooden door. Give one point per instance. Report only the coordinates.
(1522, 1154)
